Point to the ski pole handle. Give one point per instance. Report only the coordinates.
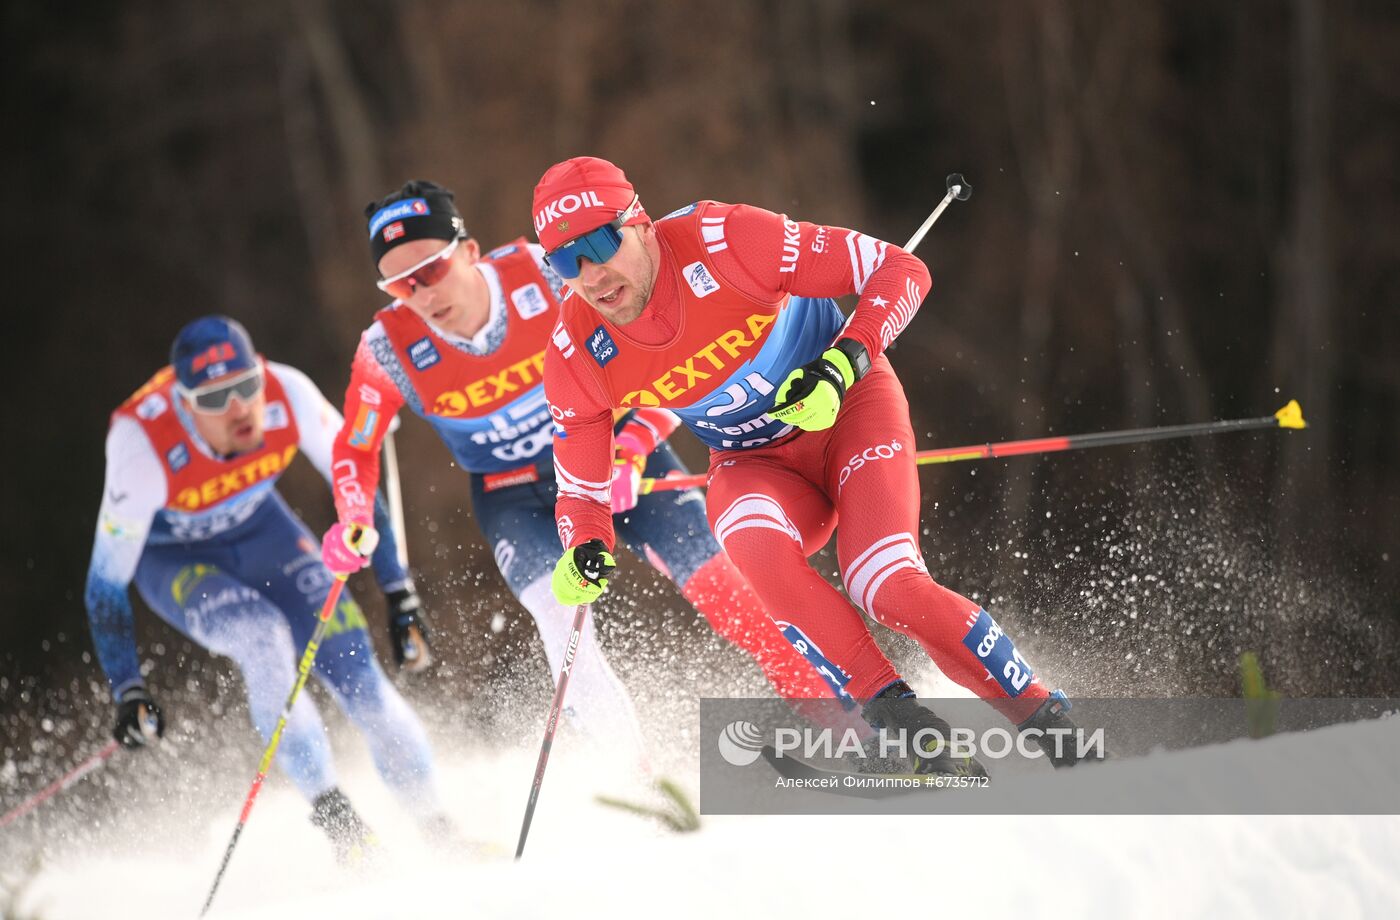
(958, 188)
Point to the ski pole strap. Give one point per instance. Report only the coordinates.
(1289, 417)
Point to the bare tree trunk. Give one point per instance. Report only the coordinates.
(1137, 365)
(352, 143)
(1115, 176)
(307, 166)
(1302, 348)
(578, 31)
(356, 139)
(1048, 178)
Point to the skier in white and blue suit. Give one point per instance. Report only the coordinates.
(190, 513)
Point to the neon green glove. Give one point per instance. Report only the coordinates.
(581, 575)
(811, 396)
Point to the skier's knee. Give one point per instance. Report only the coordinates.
(888, 564)
(753, 529)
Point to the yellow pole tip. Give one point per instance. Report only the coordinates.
(1291, 415)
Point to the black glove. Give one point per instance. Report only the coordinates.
(139, 719)
(407, 631)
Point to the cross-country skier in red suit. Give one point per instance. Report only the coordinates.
(463, 346)
(722, 313)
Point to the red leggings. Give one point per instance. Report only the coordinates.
(720, 593)
(772, 507)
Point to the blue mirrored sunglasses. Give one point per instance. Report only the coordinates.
(597, 246)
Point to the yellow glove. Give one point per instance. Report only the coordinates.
(581, 575)
(811, 396)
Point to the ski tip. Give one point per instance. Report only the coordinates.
(1291, 415)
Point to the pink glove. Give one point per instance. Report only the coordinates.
(628, 462)
(346, 548)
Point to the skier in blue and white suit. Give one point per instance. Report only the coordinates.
(190, 513)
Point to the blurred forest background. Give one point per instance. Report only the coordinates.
(1183, 211)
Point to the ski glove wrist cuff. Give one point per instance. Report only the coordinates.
(346, 548)
(811, 396)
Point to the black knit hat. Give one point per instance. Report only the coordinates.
(420, 210)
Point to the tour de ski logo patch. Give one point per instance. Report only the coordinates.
(529, 301)
(275, 416)
(699, 279)
(152, 407)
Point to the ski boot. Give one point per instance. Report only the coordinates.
(354, 843)
(896, 708)
(1059, 735)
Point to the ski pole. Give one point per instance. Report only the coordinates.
(959, 189)
(394, 490)
(1290, 416)
(416, 656)
(59, 785)
(554, 710)
(303, 671)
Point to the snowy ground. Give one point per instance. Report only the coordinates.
(585, 861)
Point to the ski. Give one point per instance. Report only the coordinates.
(680, 817)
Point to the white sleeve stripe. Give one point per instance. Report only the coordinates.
(564, 474)
(562, 340)
(867, 255)
(603, 498)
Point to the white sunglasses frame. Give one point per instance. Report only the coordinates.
(443, 253)
(191, 395)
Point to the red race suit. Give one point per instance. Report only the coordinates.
(486, 400)
(739, 303)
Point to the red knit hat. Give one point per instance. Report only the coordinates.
(579, 195)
